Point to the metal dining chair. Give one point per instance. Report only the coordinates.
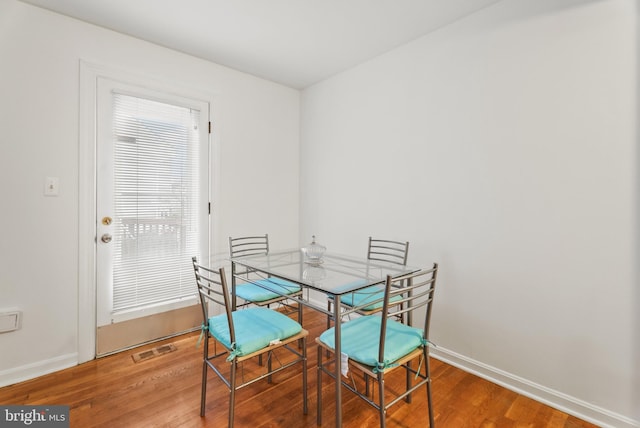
(382, 250)
(257, 290)
(379, 344)
(242, 335)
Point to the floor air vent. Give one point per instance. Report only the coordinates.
(154, 352)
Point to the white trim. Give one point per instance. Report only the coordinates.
(89, 74)
(87, 213)
(40, 368)
(558, 400)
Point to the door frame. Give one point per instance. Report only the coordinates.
(87, 240)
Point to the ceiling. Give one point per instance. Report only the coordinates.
(293, 42)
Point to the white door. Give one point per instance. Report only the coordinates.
(152, 206)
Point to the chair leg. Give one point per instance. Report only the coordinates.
(431, 422)
(408, 374)
(429, 399)
(232, 392)
(203, 395)
(305, 406)
(300, 307)
(205, 358)
(383, 412)
(319, 386)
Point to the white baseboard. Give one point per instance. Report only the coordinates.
(33, 370)
(558, 400)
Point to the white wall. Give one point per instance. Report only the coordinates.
(503, 147)
(256, 136)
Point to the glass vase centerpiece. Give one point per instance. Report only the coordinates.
(313, 252)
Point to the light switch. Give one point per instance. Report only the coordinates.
(51, 186)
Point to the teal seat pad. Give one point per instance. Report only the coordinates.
(361, 340)
(253, 292)
(255, 329)
(374, 293)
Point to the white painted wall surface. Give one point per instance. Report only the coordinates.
(256, 139)
(504, 147)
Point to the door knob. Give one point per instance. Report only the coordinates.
(106, 238)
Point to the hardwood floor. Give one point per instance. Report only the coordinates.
(164, 391)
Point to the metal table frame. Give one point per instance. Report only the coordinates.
(335, 277)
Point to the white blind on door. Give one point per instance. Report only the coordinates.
(156, 200)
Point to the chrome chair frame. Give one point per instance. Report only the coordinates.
(388, 251)
(383, 250)
(416, 291)
(213, 289)
(255, 245)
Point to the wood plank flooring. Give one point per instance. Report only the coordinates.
(164, 391)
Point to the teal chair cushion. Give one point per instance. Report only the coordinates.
(253, 292)
(255, 329)
(375, 293)
(361, 340)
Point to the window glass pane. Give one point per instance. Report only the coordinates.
(156, 201)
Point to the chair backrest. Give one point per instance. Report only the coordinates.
(409, 294)
(388, 251)
(213, 289)
(248, 245)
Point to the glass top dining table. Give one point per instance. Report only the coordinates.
(335, 276)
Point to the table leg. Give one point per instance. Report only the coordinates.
(338, 355)
(233, 286)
